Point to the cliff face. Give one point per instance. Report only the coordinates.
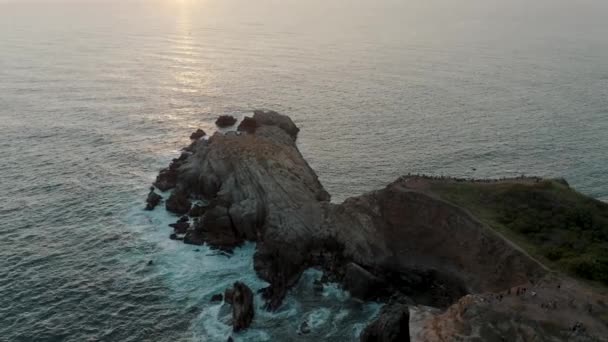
(403, 240)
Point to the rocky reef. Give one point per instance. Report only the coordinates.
(407, 244)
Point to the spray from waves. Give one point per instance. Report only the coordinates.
(195, 273)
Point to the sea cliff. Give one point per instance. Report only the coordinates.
(446, 243)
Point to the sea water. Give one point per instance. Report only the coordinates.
(97, 96)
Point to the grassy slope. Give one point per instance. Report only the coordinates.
(559, 226)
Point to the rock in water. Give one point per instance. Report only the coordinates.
(153, 200)
(178, 203)
(199, 133)
(225, 121)
(272, 118)
(416, 242)
(216, 298)
(361, 283)
(392, 325)
(240, 297)
(248, 125)
(180, 227)
(216, 228)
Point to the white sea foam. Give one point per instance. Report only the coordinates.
(195, 273)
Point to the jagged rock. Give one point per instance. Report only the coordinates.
(228, 295)
(216, 228)
(248, 125)
(272, 118)
(178, 203)
(240, 297)
(153, 200)
(422, 245)
(197, 210)
(183, 219)
(193, 237)
(225, 121)
(361, 283)
(392, 325)
(180, 227)
(216, 298)
(166, 179)
(199, 133)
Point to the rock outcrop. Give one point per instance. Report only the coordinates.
(199, 133)
(152, 200)
(240, 297)
(225, 121)
(403, 240)
(392, 325)
(248, 125)
(178, 202)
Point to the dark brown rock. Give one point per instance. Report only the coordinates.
(153, 200)
(229, 295)
(216, 228)
(392, 325)
(361, 283)
(199, 133)
(405, 234)
(197, 210)
(180, 227)
(248, 125)
(193, 237)
(166, 179)
(216, 298)
(272, 118)
(225, 121)
(178, 203)
(242, 306)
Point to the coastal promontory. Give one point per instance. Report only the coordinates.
(522, 259)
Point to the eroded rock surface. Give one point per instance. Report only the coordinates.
(225, 121)
(240, 297)
(152, 200)
(401, 240)
(392, 325)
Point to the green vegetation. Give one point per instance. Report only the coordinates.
(552, 222)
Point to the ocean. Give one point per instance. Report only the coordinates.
(97, 96)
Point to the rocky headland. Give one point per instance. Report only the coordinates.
(456, 245)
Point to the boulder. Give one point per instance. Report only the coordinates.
(225, 121)
(216, 228)
(392, 325)
(248, 125)
(241, 299)
(199, 133)
(153, 200)
(180, 227)
(166, 179)
(272, 118)
(193, 237)
(178, 203)
(216, 298)
(361, 283)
